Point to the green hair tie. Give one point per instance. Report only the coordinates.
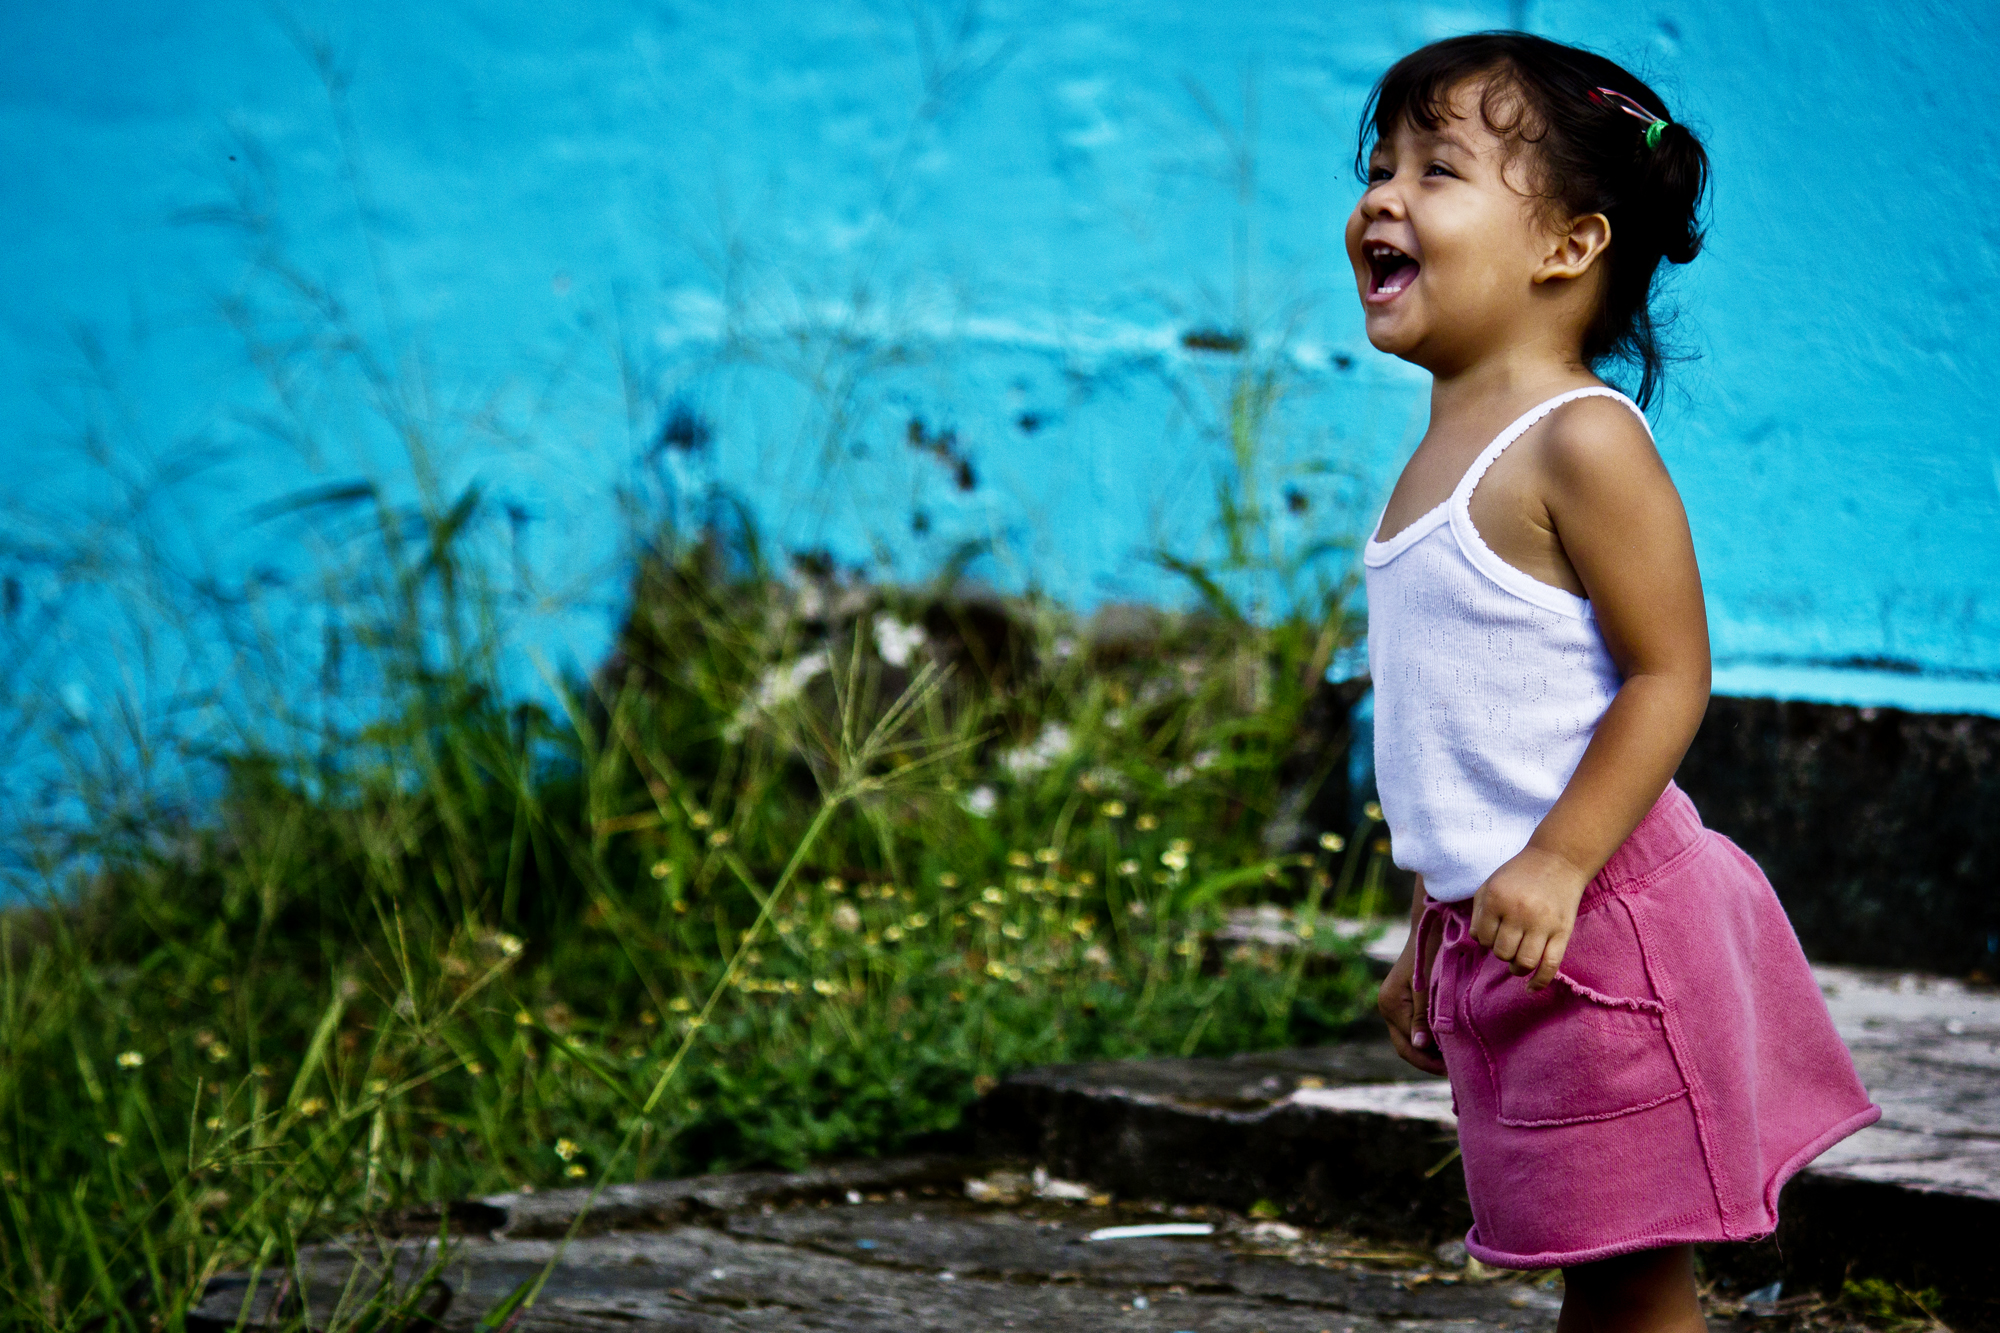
(1655, 124)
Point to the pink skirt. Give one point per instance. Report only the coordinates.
(1661, 1091)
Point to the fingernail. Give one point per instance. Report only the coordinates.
(1420, 1038)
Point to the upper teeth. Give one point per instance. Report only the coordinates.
(1384, 251)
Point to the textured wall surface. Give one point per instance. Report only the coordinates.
(908, 277)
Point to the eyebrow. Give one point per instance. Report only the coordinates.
(1437, 136)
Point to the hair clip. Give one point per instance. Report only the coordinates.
(1654, 124)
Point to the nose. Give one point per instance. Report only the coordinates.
(1381, 200)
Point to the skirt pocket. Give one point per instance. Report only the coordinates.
(1568, 1053)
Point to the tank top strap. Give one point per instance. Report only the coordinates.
(1461, 498)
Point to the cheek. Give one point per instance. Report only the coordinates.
(1356, 224)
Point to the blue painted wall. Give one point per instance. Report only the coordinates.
(807, 224)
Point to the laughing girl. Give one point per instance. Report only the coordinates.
(1637, 1051)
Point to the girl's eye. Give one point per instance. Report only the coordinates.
(1439, 169)
(1376, 175)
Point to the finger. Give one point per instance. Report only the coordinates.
(1416, 1014)
(1528, 954)
(1506, 941)
(1483, 922)
(1423, 1060)
(1552, 957)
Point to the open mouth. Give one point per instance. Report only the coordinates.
(1389, 269)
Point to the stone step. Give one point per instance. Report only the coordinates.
(870, 1247)
(1347, 1136)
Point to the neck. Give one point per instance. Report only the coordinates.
(1515, 379)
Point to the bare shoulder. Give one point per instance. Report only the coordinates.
(1597, 441)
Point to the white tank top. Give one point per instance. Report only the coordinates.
(1488, 686)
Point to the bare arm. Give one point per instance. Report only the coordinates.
(1623, 530)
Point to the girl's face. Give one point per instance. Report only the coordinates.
(1448, 242)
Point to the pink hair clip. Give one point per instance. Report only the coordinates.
(1654, 124)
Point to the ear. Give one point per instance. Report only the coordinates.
(1576, 249)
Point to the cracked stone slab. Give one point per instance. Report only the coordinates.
(922, 1261)
(1928, 1049)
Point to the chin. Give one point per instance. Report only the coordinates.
(1392, 337)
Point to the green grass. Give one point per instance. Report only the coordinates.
(714, 908)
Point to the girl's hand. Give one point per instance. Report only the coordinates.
(1402, 1008)
(1525, 911)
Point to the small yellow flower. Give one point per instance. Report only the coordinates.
(661, 870)
(218, 1051)
(1128, 867)
(1174, 859)
(1373, 810)
(475, 1069)
(700, 819)
(522, 1018)
(130, 1059)
(1380, 847)
(680, 1004)
(220, 985)
(378, 1086)
(1305, 930)
(719, 838)
(996, 969)
(576, 1171)
(1020, 860)
(990, 893)
(833, 884)
(1112, 809)
(114, 1138)
(916, 921)
(213, 1122)
(566, 1149)
(312, 1106)
(1011, 931)
(892, 933)
(1048, 856)
(1146, 823)
(1181, 845)
(508, 944)
(1332, 842)
(1083, 925)
(947, 880)
(821, 986)
(260, 1071)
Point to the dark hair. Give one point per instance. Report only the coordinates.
(1591, 157)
